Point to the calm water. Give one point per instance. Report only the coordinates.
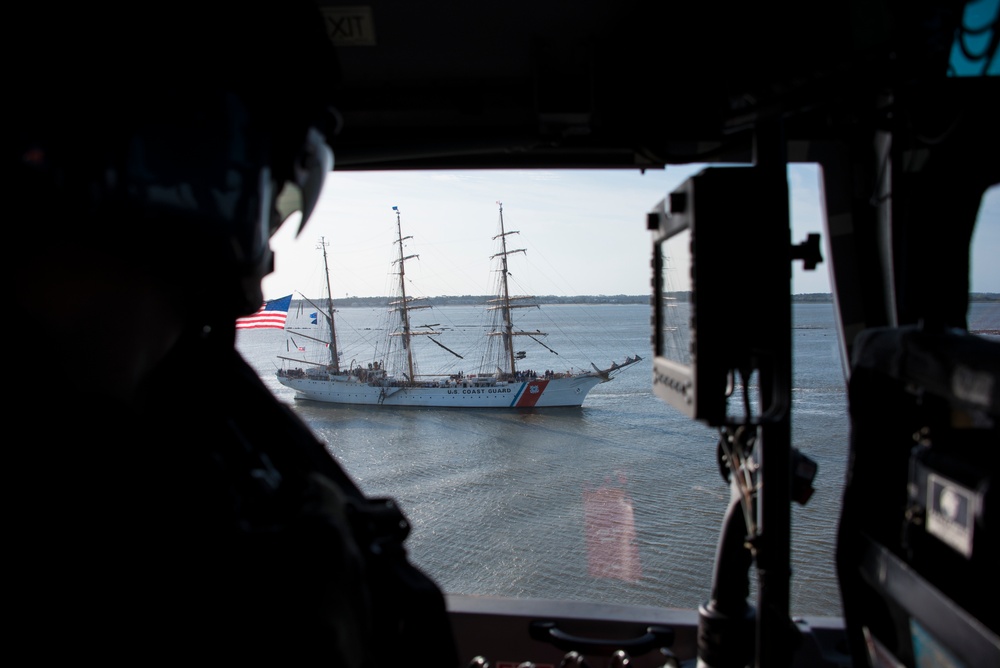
(619, 501)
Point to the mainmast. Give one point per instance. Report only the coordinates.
(334, 357)
(402, 305)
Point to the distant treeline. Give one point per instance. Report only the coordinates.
(479, 300)
(827, 298)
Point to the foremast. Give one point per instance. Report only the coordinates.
(505, 303)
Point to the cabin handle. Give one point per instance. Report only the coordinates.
(655, 637)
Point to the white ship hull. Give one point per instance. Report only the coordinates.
(392, 378)
(533, 393)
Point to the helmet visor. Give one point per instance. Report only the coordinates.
(301, 193)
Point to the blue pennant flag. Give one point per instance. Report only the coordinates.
(314, 318)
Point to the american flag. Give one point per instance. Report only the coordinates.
(272, 315)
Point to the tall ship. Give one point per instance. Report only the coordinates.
(393, 378)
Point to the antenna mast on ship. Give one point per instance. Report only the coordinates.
(334, 357)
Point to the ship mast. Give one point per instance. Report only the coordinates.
(508, 323)
(405, 304)
(506, 302)
(334, 357)
(402, 305)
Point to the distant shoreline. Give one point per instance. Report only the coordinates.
(478, 300)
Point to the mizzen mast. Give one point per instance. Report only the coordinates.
(334, 356)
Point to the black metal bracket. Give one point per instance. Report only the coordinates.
(808, 251)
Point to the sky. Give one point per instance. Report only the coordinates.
(584, 232)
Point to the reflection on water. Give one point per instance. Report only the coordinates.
(609, 520)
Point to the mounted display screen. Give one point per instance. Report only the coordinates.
(673, 365)
(717, 297)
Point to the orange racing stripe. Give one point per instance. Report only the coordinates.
(531, 394)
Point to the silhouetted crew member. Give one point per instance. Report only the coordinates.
(165, 504)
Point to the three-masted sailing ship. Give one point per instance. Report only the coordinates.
(392, 380)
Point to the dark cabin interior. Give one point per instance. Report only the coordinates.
(908, 140)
